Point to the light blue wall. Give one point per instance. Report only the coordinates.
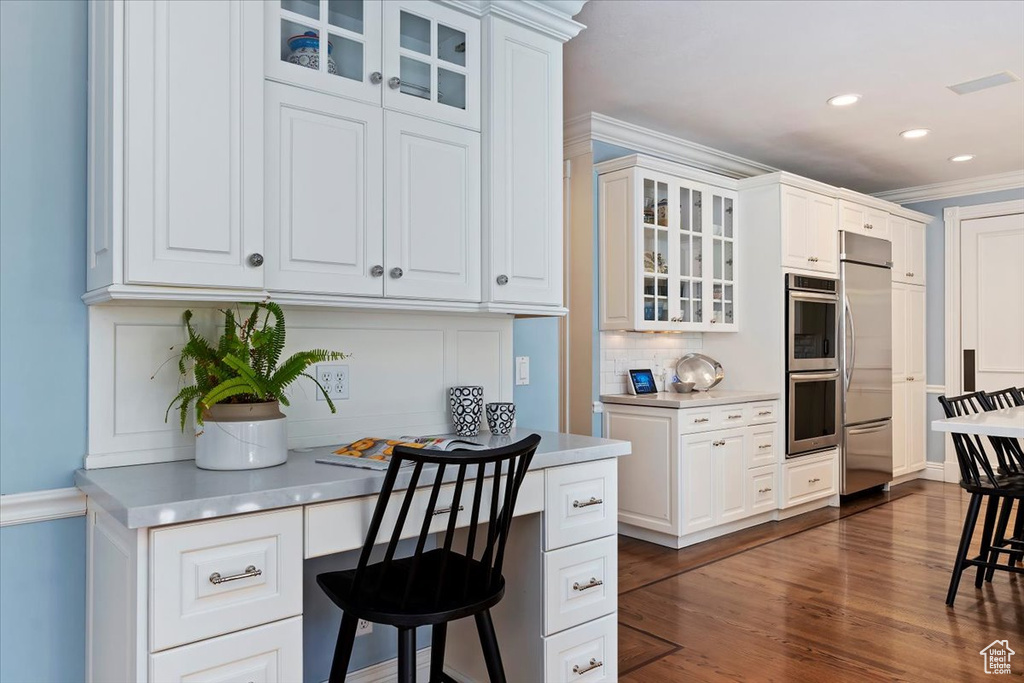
(935, 314)
(537, 402)
(42, 331)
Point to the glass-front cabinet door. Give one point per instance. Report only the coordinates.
(691, 255)
(657, 255)
(432, 62)
(300, 32)
(723, 255)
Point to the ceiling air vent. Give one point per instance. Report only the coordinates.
(1001, 78)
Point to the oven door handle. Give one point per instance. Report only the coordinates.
(797, 377)
(799, 295)
(852, 336)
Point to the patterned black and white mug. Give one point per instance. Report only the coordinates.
(500, 417)
(467, 406)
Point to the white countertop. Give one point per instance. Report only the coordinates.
(1007, 422)
(694, 399)
(172, 492)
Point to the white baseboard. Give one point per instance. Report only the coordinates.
(387, 672)
(41, 506)
(934, 471)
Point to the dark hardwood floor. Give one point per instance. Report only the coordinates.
(855, 593)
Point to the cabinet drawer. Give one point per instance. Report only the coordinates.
(587, 653)
(761, 446)
(580, 583)
(269, 654)
(342, 525)
(211, 578)
(761, 490)
(582, 503)
(727, 417)
(809, 481)
(763, 413)
(695, 420)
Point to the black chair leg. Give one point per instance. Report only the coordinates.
(1018, 534)
(965, 543)
(343, 648)
(986, 538)
(406, 655)
(438, 635)
(999, 538)
(489, 643)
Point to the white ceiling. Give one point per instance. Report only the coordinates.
(751, 78)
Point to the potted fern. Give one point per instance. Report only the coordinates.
(238, 386)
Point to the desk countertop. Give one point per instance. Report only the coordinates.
(169, 493)
(695, 399)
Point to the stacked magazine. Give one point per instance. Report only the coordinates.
(374, 453)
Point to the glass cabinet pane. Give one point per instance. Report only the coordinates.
(684, 209)
(346, 14)
(685, 255)
(345, 58)
(698, 257)
(717, 265)
(451, 45)
(728, 261)
(451, 88)
(698, 302)
(300, 45)
(696, 211)
(307, 8)
(415, 33)
(648, 216)
(716, 215)
(728, 218)
(663, 205)
(415, 76)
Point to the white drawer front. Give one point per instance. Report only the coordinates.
(695, 420)
(762, 413)
(587, 653)
(265, 654)
(762, 491)
(580, 583)
(342, 525)
(809, 481)
(191, 602)
(727, 417)
(761, 446)
(582, 503)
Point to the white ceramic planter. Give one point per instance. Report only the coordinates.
(242, 437)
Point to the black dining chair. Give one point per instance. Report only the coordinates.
(984, 484)
(452, 581)
(1014, 451)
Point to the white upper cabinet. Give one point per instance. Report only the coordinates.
(908, 251)
(193, 210)
(432, 219)
(432, 62)
(523, 201)
(809, 235)
(297, 31)
(325, 195)
(668, 250)
(864, 220)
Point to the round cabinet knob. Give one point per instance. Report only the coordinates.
(394, 82)
(255, 260)
(502, 280)
(396, 273)
(376, 77)
(377, 271)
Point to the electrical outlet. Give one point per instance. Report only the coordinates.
(364, 628)
(334, 379)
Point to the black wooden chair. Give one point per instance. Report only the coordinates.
(978, 478)
(1014, 452)
(432, 588)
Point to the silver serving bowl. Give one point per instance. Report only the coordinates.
(703, 371)
(683, 387)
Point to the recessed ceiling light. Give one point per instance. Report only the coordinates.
(843, 100)
(962, 157)
(915, 133)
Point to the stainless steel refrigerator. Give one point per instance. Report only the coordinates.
(865, 275)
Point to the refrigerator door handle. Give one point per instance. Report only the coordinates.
(852, 337)
(870, 429)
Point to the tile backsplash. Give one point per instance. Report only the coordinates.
(622, 351)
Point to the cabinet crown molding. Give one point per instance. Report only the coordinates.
(552, 17)
(670, 167)
(955, 188)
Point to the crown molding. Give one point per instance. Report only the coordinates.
(41, 506)
(552, 17)
(594, 126)
(954, 188)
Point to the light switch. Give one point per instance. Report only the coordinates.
(522, 370)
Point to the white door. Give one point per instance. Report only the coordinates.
(731, 477)
(697, 488)
(325, 194)
(825, 249)
(900, 458)
(797, 238)
(194, 143)
(524, 208)
(432, 213)
(432, 62)
(992, 302)
(915, 253)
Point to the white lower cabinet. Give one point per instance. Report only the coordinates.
(697, 492)
(587, 653)
(761, 489)
(580, 583)
(268, 654)
(809, 478)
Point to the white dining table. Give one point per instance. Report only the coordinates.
(1006, 422)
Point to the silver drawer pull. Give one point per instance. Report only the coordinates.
(735, 417)
(762, 413)
(764, 490)
(587, 503)
(909, 274)
(445, 511)
(701, 419)
(814, 481)
(216, 579)
(764, 446)
(718, 443)
(594, 664)
(910, 378)
(593, 583)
